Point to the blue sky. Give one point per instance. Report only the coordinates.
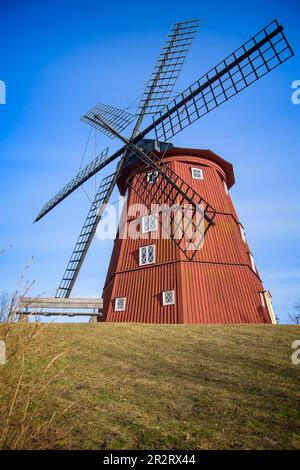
(58, 59)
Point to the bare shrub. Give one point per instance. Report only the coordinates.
(295, 315)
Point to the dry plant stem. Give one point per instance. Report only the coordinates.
(14, 399)
(29, 430)
(27, 422)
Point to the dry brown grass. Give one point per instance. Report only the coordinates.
(166, 387)
(27, 376)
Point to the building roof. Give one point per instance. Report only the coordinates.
(184, 153)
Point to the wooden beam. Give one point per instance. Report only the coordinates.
(61, 314)
(50, 302)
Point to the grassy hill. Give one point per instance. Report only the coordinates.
(163, 386)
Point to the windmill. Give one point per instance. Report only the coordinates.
(146, 156)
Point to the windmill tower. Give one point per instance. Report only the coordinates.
(191, 262)
(150, 278)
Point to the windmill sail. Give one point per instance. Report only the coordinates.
(118, 118)
(189, 216)
(254, 59)
(168, 66)
(258, 56)
(99, 162)
(86, 235)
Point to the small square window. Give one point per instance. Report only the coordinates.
(147, 254)
(168, 297)
(120, 303)
(197, 173)
(152, 177)
(149, 223)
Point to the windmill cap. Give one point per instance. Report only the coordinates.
(187, 155)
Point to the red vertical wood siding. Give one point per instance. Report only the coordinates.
(218, 286)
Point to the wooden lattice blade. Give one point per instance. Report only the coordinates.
(97, 164)
(260, 55)
(86, 235)
(192, 215)
(117, 118)
(168, 67)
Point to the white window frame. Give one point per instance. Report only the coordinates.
(120, 308)
(262, 299)
(226, 187)
(252, 262)
(150, 176)
(165, 302)
(146, 220)
(146, 247)
(196, 169)
(243, 234)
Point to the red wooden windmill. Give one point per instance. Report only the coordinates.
(193, 275)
